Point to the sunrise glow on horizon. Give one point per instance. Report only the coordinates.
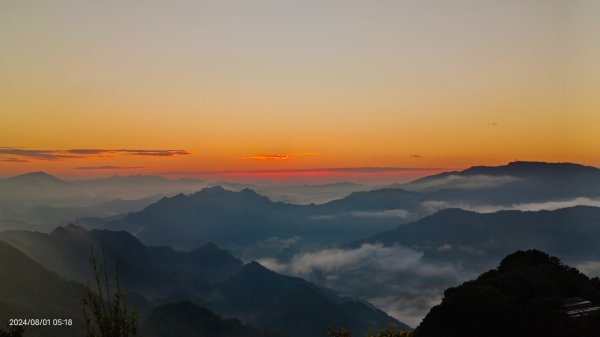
(287, 90)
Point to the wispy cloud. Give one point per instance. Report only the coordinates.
(86, 151)
(590, 268)
(396, 279)
(156, 153)
(13, 160)
(434, 206)
(40, 154)
(364, 170)
(464, 183)
(281, 156)
(37, 154)
(134, 152)
(417, 156)
(108, 167)
(389, 213)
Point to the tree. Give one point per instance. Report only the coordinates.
(390, 331)
(13, 331)
(106, 304)
(337, 333)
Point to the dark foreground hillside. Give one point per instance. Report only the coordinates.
(35, 267)
(525, 296)
(185, 319)
(29, 291)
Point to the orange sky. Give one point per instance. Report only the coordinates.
(280, 85)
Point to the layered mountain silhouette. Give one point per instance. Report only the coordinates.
(272, 301)
(208, 276)
(37, 198)
(235, 219)
(523, 169)
(28, 290)
(516, 182)
(38, 188)
(242, 218)
(524, 296)
(34, 178)
(147, 270)
(196, 277)
(478, 239)
(186, 319)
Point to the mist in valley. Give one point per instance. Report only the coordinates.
(396, 247)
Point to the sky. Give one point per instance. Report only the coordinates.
(317, 89)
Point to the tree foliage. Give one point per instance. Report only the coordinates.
(390, 331)
(12, 331)
(523, 297)
(105, 313)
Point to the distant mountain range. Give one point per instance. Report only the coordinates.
(40, 187)
(39, 200)
(207, 276)
(146, 269)
(423, 218)
(551, 181)
(404, 270)
(472, 238)
(284, 303)
(245, 218)
(30, 291)
(517, 182)
(522, 169)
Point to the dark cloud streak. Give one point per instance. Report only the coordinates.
(109, 167)
(13, 160)
(281, 156)
(38, 154)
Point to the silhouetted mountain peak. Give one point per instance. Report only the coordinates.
(99, 236)
(527, 259)
(385, 198)
(524, 297)
(212, 254)
(256, 272)
(529, 176)
(69, 229)
(249, 192)
(220, 192)
(211, 197)
(255, 267)
(541, 164)
(518, 168)
(452, 213)
(36, 177)
(209, 246)
(213, 190)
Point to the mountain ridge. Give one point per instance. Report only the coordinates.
(523, 296)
